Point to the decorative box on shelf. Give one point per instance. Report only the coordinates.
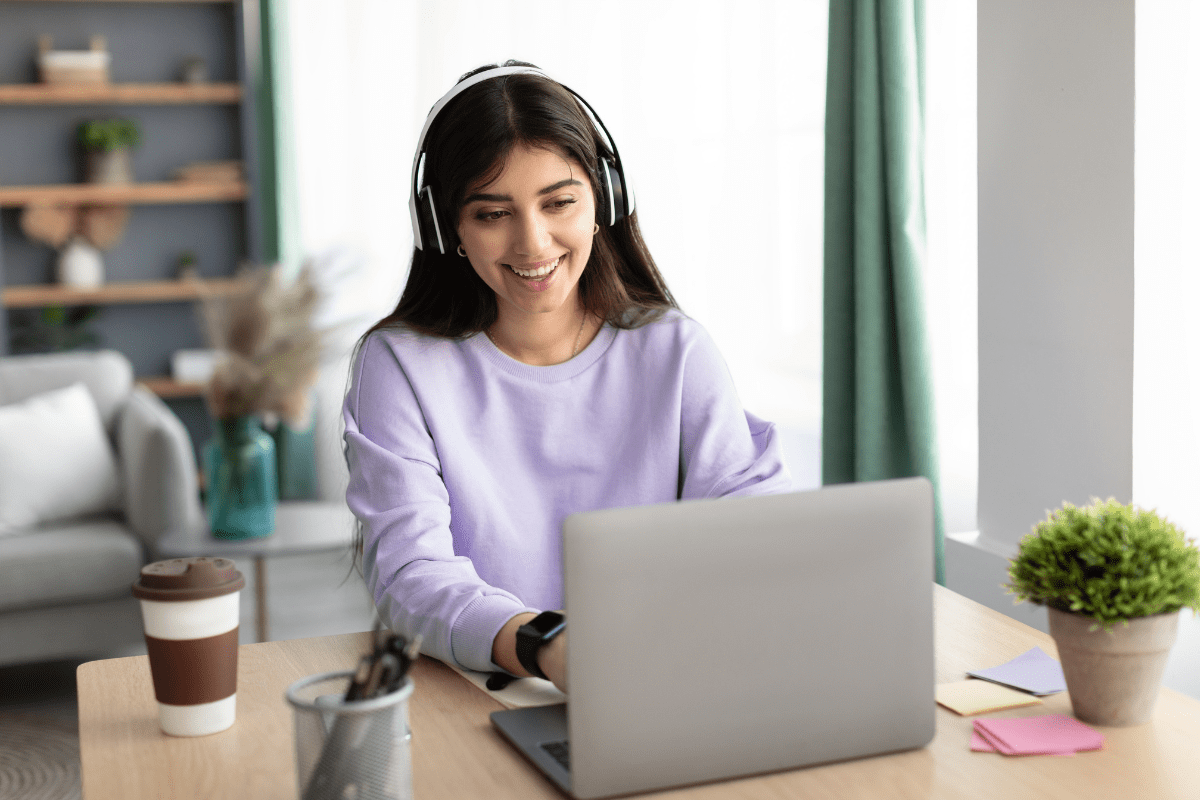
(73, 66)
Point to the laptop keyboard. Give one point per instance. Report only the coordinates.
(560, 752)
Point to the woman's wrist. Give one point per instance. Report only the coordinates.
(553, 661)
(504, 646)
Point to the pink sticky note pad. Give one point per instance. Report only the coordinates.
(983, 742)
(1049, 734)
(980, 744)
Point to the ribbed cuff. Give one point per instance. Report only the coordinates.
(476, 628)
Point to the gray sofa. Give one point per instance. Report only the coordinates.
(64, 585)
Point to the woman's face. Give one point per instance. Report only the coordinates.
(528, 233)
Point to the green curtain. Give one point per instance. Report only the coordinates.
(877, 400)
(278, 210)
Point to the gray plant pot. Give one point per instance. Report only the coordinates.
(1113, 676)
(112, 166)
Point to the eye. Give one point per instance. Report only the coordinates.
(561, 204)
(489, 216)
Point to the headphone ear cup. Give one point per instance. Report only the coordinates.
(612, 192)
(433, 232)
(425, 226)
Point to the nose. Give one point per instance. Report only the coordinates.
(532, 235)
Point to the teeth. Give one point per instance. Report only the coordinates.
(536, 273)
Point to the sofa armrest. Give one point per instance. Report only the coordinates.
(159, 469)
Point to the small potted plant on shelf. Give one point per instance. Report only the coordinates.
(107, 143)
(1113, 578)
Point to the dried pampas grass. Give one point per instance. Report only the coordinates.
(269, 351)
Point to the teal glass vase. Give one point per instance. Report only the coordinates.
(240, 479)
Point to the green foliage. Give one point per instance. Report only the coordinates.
(52, 329)
(1108, 561)
(109, 134)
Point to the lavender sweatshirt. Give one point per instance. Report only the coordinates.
(465, 462)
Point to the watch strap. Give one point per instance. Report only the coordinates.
(527, 650)
(533, 635)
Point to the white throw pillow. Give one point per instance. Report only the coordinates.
(55, 460)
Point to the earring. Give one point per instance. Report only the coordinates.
(596, 229)
(462, 252)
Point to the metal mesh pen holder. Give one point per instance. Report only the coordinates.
(359, 750)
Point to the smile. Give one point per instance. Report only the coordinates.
(540, 272)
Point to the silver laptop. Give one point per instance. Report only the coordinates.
(718, 638)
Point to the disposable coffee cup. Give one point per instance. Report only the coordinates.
(190, 613)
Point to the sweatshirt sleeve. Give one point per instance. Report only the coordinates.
(396, 490)
(724, 449)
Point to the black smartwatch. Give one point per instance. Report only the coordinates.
(536, 633)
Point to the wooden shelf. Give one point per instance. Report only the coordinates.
(118, 1)
(42, 94)
(41, 295)
(171, 388)
(125, 194)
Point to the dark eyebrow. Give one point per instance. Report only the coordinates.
(506, 198)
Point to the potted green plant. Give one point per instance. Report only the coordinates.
(1113, 578)
(107, 143)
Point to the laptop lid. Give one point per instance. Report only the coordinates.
(717, 638)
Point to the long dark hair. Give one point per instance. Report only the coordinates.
(466, 146)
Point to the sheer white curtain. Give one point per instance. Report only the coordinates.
(951, 192)
(1166, 366)
(717, 108)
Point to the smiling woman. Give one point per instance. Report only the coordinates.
(589, 389)
(530, 246)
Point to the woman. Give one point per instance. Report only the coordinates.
(536, 366)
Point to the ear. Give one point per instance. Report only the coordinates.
(49, 223)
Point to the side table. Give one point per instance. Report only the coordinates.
(300, 527)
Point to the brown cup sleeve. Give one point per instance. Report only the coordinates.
(188, 672)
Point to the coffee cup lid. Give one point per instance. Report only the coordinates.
(195, 578)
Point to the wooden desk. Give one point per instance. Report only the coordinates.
(457, 754)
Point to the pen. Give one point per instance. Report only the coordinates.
(383, 670)
(499, 680)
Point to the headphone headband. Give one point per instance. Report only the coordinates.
(623, 191)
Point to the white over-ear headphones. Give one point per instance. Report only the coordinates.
(429, 228)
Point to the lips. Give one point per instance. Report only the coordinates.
(536, 271)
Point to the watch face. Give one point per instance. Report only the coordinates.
(546, 621)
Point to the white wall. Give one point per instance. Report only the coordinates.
(1056, 117)
(1056, 182)
(1056, 186)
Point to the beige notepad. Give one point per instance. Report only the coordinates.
(979, 697)
(519, 693)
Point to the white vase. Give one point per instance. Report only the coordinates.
(1113, 676)
(80, 265)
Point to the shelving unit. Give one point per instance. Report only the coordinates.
(132, 194)
(42, 295)
(169, 388)
(98, 2)
(36, 94)
(146, 310)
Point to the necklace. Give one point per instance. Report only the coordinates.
(578, 336)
